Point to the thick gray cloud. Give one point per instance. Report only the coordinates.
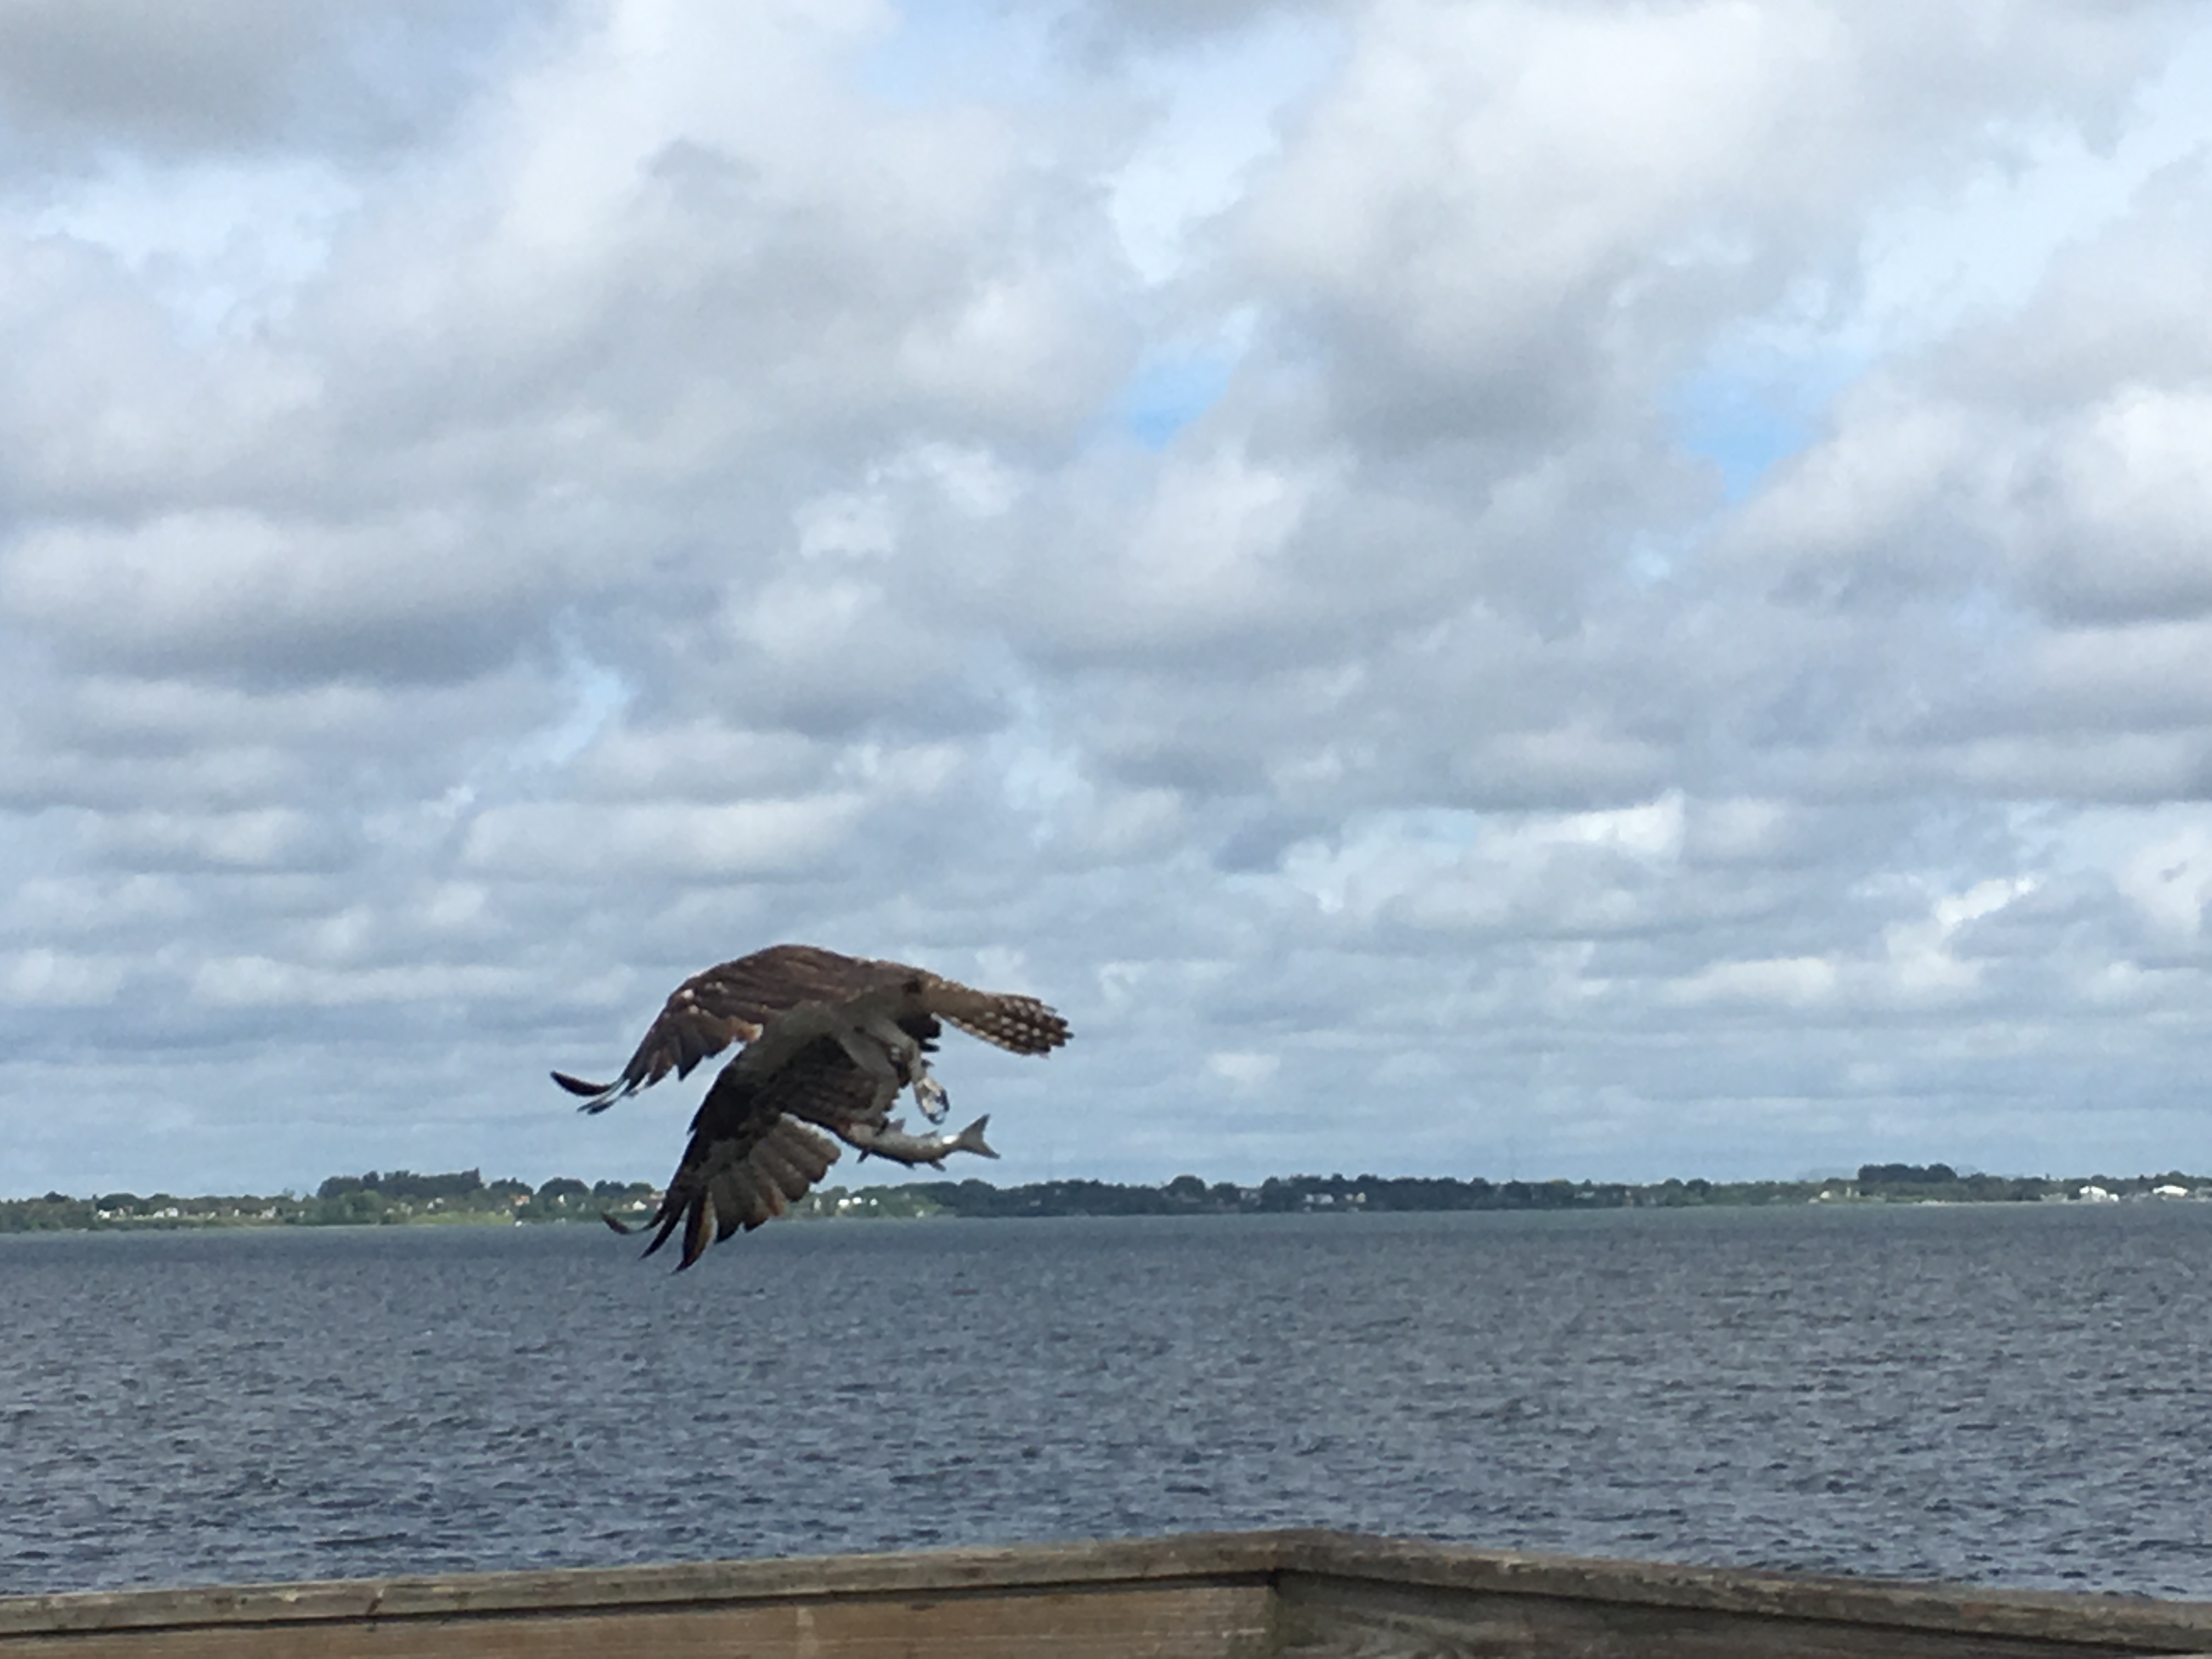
(82, 78)
(1506, 588)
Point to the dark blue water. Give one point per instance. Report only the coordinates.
(2010, 1395)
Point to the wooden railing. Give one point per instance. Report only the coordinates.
(1232, 1595)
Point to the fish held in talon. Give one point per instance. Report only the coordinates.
(892, 1141)
(824, 1041)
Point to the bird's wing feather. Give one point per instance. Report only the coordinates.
(751, 1156)
(1022, 1024)
(732, 1002)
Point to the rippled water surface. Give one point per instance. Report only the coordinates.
(2012, 1394)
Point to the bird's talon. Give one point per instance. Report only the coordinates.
(930, 1095)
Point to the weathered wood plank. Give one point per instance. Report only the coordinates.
(2090, 1623)
(1326, 1617)
(1320, 1595)
(1173, 1622)
(1203, 1557)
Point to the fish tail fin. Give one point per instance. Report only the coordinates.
(970, 1140)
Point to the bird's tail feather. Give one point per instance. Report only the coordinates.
(1022, 1024)
(601, 1094)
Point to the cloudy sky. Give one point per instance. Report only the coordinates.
(1539, 589)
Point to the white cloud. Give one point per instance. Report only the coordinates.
(1787, 981)
(262, 982)
(659, 838)
(228, 593)
(2171, 879)
(1221, 103)
(48, 979)
(1243, 1070)
(1227, 517)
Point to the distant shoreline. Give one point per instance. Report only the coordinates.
(402, 1198)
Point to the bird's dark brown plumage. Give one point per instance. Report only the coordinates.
(733, 1001)
(752, 1151)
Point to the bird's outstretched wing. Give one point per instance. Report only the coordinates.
(734, 1001)
(728, 1003)
(751, 1156)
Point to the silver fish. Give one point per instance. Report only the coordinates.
(891, 1140)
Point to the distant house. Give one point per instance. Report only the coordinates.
(2095, 1195)
(2169, 1191)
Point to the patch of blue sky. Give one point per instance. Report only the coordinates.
(1167, 394)
(1745, 425)
(597, 696)
(943, 52)
(220, 242)
(1955, 247)
(1958, 248)
(1653, 554)
(1219, 105)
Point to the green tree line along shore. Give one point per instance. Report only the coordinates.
(400, 1197)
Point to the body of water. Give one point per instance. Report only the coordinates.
(2008, 1395)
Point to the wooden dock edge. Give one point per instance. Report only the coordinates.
(1310, 1592)
(1339, 1576)
(1201, 1556)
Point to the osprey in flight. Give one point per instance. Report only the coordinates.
(828, 1040)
